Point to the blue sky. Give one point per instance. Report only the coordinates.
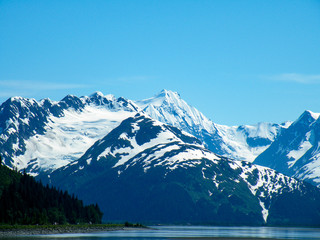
(239, 62)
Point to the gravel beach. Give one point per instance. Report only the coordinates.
(5, 233)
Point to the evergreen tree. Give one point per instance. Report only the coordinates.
(26, 201)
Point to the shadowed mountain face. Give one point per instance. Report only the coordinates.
(296, 151)
(147, 171)
(238, 142)
(140, 169)
(42, 136)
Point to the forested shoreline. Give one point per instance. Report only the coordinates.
(24, 201)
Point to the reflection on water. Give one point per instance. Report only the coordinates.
(167, 232)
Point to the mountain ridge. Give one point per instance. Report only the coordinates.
(40, 136)
(169, 175)
(101, 147)
(32, 132)
(296, 151)
(47, 134)
(233, 142)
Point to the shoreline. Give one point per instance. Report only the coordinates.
(56, 229)
(226, 238)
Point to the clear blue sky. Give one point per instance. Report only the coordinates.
(239, 62)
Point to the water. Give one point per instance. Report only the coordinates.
(171, 232)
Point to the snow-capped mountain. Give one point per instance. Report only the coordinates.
(296, 151)
(45, 135)
(168, 107)
(147, 171)
(238, 142)
(99, 145)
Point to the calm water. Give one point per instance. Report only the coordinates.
(167, 232)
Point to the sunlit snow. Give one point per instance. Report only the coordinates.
(168, 107)
(302, 149)
(67, 138)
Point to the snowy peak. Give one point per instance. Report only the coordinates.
(42, 136)
(169, 108)
(307, 118)
(159, 167)
(45, 135)
(16, 114)
(98, 98)
(165, 97)
(97, 94)
(295, 151)
(242, 143)
(71, 101)
(313, 114)
(138, 136)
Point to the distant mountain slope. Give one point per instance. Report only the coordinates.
(45, 135)
(239, 142)
(144, 170)
(296, 151)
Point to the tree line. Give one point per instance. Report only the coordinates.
(26, 201)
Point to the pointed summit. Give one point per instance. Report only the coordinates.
(244, 142)
(313, 114)
(163, 98)
(169, 94)
(295, 152)
(307, 118)
(97, 94)
(168, 107)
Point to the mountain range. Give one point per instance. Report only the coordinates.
(45, 135)
(42, 136)
(144, 170)
(243, 142)
(164, 157)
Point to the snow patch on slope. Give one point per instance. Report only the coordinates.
(302, 149)
(182, 158)
(266, 183)
(67, 138)
(166, 141)
(135, 148)
(311, 170)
